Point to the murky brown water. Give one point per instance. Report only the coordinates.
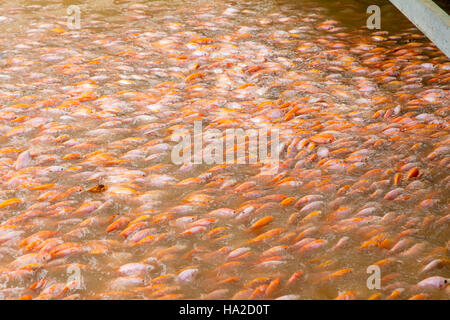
(363, 121)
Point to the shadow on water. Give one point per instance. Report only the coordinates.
(353, 14)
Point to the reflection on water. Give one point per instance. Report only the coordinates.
(91, 205)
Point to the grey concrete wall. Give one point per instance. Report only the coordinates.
(430, 19)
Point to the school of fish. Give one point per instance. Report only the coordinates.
(92, 207)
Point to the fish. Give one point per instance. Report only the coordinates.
(110, 188)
